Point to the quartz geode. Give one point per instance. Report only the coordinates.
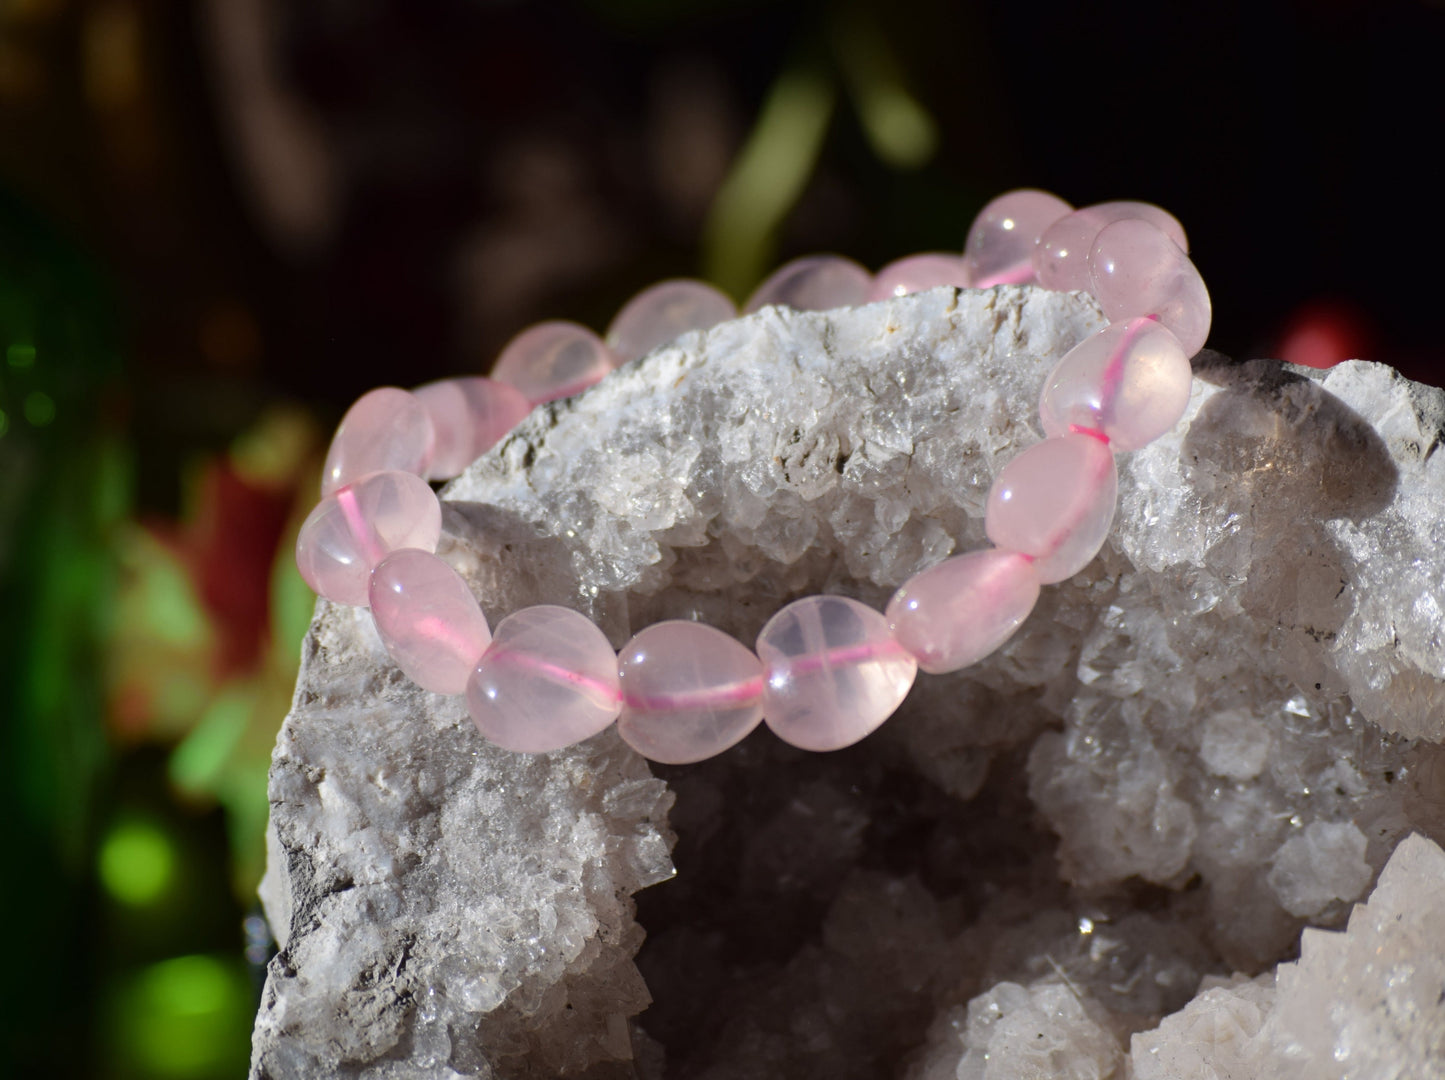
(1211, 738)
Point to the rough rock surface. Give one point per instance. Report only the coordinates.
(1214, 735)
(1368, 1002)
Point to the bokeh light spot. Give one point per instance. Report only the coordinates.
(1325, 332)
(137, 862)
(20, 356)
(187, 985)
(901, 130)
(201, 757)
(184, 1017)
(39, 408)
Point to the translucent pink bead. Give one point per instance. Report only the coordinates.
(354, 528)
(1055, 501)
(1061, 259)
(386, 429)
(663, 313)
(553, 360)
(956, 613)
(689, 691)
(548, 680)
(1137, 270)
(833, 671)
(469, 417)
(1131, 381)
(813, 283)
(1000, 245)
(428, 619)
(918, 273)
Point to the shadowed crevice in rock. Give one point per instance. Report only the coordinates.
(817, 915)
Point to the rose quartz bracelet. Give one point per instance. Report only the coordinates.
(826, 670)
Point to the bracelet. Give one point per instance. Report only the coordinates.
(826, 670)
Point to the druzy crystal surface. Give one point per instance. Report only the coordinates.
(1086, 856)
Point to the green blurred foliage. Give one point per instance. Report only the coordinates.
(777, 161)
(65, 483)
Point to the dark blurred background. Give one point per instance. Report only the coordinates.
(220, 221)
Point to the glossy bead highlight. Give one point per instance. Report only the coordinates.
(663, 313)
(1061, 258)
(813, 283)
(355, 527)
(1130, 381)
(833, 672)
(428, 619)
(386, 429)
(1134, 269)
(1000, 245)
(553, 360)
(956, 613)
(548, 680)
(469, 416)
(1055, 502)
(689, 691)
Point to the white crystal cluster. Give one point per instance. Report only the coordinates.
(1365, 1003)
(1211, 738)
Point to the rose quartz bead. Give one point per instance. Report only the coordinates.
(1055, 501)
(428, 619)
(387, 429)
(469, 417)
(1130, 381)
(1137, 270)
(548, 680)
(1061, 259)
(689, 691)
(813, 283)
(1000, 245)
(354, 528)
(553, 360)
(663, 313)
(918, 273)
(833, 671)
(956, 613)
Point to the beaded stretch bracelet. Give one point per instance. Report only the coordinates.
(827, 670)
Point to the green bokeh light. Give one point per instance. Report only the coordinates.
(169, 605)
(187, 986)
(4, 422)
(897, 125)
(902, 132)
(39, 408)
(137, 862)
(767, 177)
(20, 356)
(187, 1017)
(197, 764)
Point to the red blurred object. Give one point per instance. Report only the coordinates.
(1322, 333)
(231, 544)
(227, 543)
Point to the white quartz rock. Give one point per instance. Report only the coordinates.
(1367, 1003)
(1217, 1036)
(1370, 1002)
(1041, 1032)
(1201, 725)
(1322, 863)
